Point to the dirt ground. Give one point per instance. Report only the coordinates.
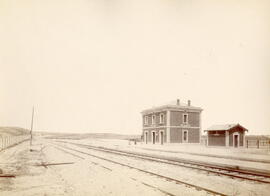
(30, 177)
(79, 177)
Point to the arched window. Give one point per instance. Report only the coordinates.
(185, 118)
(153, 119)
(146, 120)
(161, 118)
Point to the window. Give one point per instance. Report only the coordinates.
(146, 120)
(185, 118)
(185, 136)
(161, 118)
(153, 119)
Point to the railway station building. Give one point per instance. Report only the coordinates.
(172, 123)
(228, 135)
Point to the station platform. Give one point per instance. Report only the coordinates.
(243, 158)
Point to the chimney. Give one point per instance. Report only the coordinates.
(178, 102)
(189, 102)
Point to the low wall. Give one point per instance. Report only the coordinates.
(8, 141)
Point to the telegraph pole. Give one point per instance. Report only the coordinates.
(31, 131)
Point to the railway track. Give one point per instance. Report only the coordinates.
(170, 179)
(209, 168)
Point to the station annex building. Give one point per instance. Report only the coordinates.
(228, 135)
(172, 123)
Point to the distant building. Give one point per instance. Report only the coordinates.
(229, 135)
(172, 123)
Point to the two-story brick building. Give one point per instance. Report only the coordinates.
(172, 123)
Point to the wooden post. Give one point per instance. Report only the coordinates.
(258, 143)
(247, 143)
(31, 132)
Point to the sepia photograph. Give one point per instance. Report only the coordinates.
(134, 98)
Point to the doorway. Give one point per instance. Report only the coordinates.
(154, 137)
(236, 138)
(146, 137)
(161, 137)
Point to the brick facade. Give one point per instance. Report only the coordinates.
(176, 135)
(216, 140)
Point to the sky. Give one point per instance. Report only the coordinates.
(94, 65)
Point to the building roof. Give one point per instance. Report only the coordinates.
(172, 105)
(224, 127)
